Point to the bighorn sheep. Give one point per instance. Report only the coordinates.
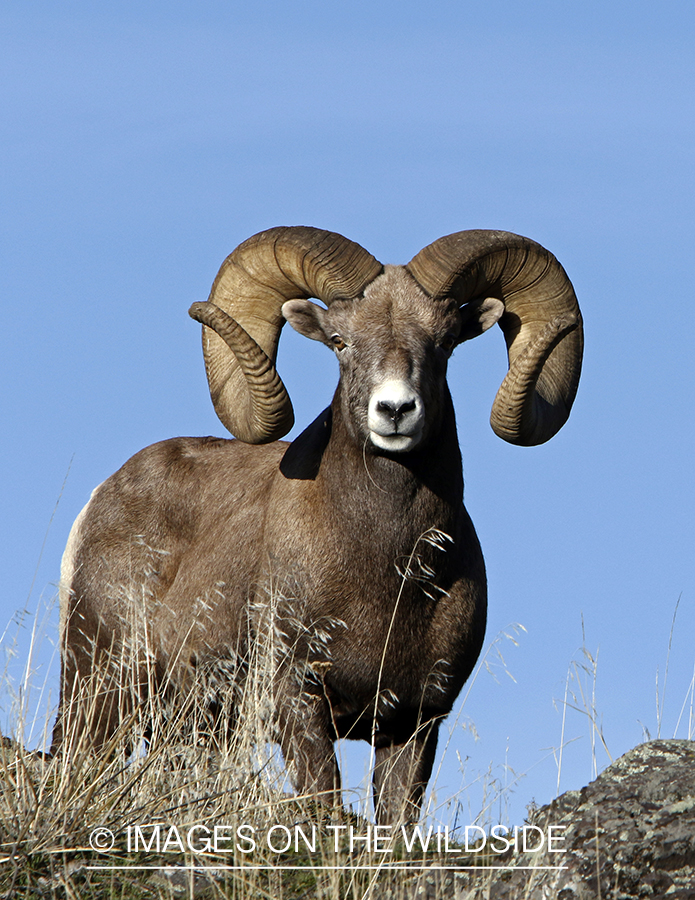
(361, 518)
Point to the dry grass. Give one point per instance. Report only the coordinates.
(59, 815)
(580, 696)
(192, 777)
(189, 777)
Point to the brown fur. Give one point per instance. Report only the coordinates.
(205, 525)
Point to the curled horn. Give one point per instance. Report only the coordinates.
(243, 319)
(541, 323)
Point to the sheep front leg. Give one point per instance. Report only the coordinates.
(306, 739)
(401, 773)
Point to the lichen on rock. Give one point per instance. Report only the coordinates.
(629, 834)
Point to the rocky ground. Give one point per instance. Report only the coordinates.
(629, 834)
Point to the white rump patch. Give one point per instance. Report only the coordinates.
(67, 564)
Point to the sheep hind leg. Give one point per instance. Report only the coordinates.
(89, 711)
(100, 697)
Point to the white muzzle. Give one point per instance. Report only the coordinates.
(396, 417)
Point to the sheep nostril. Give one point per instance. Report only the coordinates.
(395, 411)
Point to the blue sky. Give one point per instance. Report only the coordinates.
(142, 142)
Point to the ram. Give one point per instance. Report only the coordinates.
(359, 522)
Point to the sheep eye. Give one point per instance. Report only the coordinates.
(338, 342)
(448, 342)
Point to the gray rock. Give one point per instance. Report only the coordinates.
(629, 834)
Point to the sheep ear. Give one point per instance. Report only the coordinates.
(306, 318)
(479, 315)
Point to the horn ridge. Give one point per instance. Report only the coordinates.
(536, 396)
(253, 282)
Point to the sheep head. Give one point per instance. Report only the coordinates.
(393, 329)
(392, 346)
